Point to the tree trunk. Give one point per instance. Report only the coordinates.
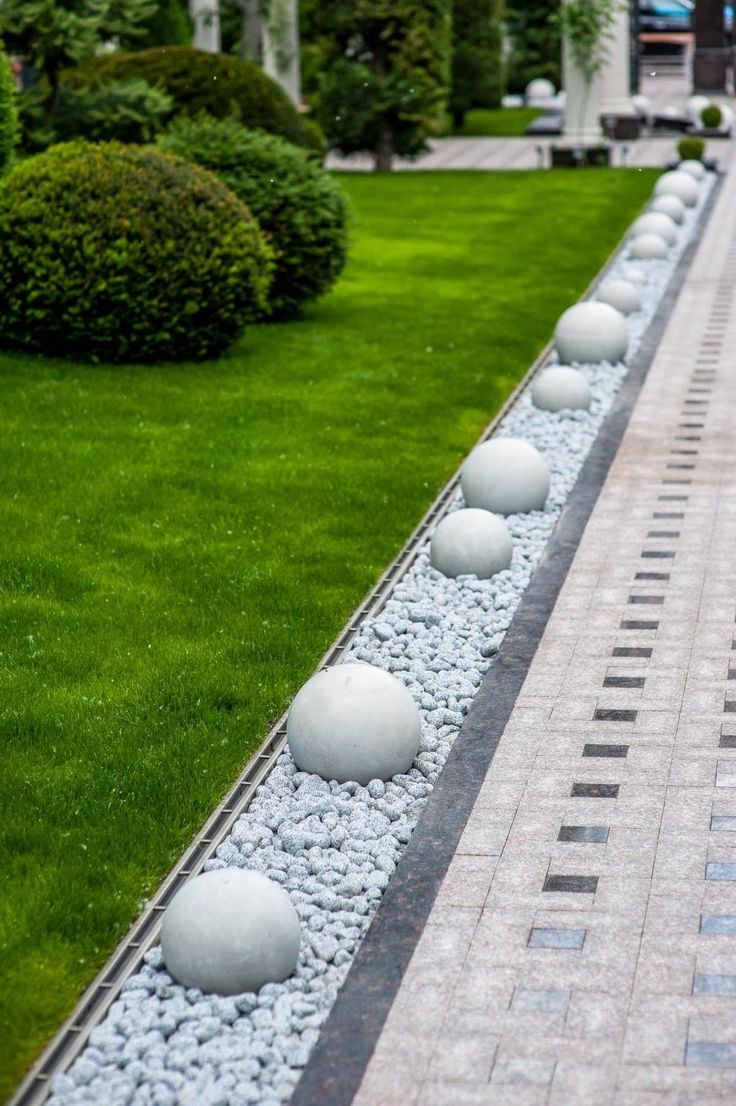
(206, 19)
(251, 46)
(384, 151)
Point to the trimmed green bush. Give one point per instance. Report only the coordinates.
(711, 117)
(124, 253)
(8, 113)
(122, 111)
(219, 84)
(298, 205)
(691, 149)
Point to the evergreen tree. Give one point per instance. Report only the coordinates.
(384, 73)
(53, 34)
(533, 28)
(477, 62)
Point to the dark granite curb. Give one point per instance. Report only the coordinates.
(349, 1036)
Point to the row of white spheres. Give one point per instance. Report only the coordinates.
(232, 931)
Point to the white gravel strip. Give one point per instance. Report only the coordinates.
(334, 847)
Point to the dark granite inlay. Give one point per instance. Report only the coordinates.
(729, 707)
(732, 674)
(652, 576)
(691, 425)
(631, 651)
(718, 923)
(675, 480)
(636, 624)
(595, 835)
(591, 749)
(714, 985)
(614, 714)
(624, 681)
(595, 790)
(571, 885)
(723, 823)
(721, 870)
(679, 465)
(647, 600)
(541, 938)
(728, 741)
(710, 1055)
(658, 554)
(673, 498)
(663, 534)
(668, 514)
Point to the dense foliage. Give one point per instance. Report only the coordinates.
(691, 149)
(127, 254)
(124, 111)
(587, 28)
(219, 84)
(8, 113)
(299, 206)
(168, 25)
(52, 34)
(535, 42)
(711, 117)
(383, 73)
(477, 60)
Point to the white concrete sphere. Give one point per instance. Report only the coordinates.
(678, 184)
(539, 90)
(634, 275)
(648, 247)
(727, 116)
(642, 105)
(471, 541)
(696, 105)
(591, 332)
(561, 388)
(654, 222)
(669, 205)
(354, 722)
(507, 476)
(696, 169)
(230, 931)
(621, 294)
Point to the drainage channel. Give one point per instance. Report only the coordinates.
(127, 958)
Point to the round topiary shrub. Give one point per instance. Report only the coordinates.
(124, 253)
(711, 117)
(220, 84)
(691, 149)
(298, 205)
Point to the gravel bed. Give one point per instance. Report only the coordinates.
(334, 847)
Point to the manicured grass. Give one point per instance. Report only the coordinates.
(498, 122)
(181, 543)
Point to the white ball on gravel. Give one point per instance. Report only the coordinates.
(621, 294)
(561, 388)
(695, 168)
(507, 476)
(471, 541)
(696, 105)
(634, 275)
(642, 105)
(654, 222)
(354, 722)
(591, 332)
(669, 205)
(726, 117)
(678, 184)
(230, 931)
(539, 90)
(648, 247)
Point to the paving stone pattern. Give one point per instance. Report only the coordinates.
(582, 948)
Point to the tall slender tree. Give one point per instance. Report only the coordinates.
(477, 61)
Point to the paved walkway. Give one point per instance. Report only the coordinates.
(582, 948)
(665, 90)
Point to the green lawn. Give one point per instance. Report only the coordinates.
(181, 543)
(497, 122)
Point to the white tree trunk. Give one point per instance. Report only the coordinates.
(616, 77)
(206, 18)
(281, 46)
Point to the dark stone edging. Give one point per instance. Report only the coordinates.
(349, 1036)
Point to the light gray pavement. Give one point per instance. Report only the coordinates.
(664, 89)
(623, 992)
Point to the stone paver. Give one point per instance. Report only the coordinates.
(614, 787)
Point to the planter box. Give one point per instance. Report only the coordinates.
(580, 157)
(626, 128)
